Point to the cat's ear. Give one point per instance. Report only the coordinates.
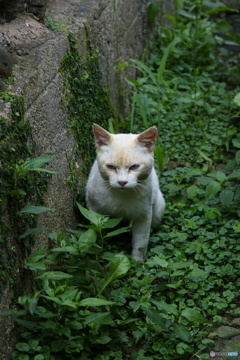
(148, 138)
(102, 137)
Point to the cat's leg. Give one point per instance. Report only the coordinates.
(158, 209)
(140, 237)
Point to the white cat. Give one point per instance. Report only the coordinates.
(123, 183)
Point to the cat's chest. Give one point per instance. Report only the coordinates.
(126, 204)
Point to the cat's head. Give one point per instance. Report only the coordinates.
(124, 159)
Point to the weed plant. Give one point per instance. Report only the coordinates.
(91, 302)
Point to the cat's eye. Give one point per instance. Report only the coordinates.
(110, 167)
(134, 167)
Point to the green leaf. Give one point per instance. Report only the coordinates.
(67, 249)
(237, 157)
(156, 318)
(86, 240)
(194, 316)
(90, 215)
(32, 209)
(33, 231)
(168, 308)
(119, 266)
(220, 176)
(235, 175)
(236, 99)
(145, 70)
(17, 192)
(163, 61)
(236, 142)
(237, 227)
(117, 232)
(55, 275)
(226, 197)
(58, 345)
(95, 302)
(198, 274)
(36, 255)
(23, 357)
(161, 262)
(111, 223)
(192, 191)
(99, 318)
(36, 162)
(39, 357)
(182, 332)
(153, 10)
(22, 346)
(212, 189)
(159, 152)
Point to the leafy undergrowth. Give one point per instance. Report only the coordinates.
(91, 301)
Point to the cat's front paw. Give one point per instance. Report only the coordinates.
(138, 255)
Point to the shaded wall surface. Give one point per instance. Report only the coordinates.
(32, 54)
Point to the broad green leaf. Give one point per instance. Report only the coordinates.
(220, 176)
(194, 316)
(90, 215)
(36, 266)
(236, 99)
(118, 266)
(111, 223)
(122, 66)
(21, 346)
(236, 142)
(74, 324)
(33, 302)
(212, 189)
(237, 227)
(226, 197)
(36, 162)
(39, 357)
(32, 209)
(95, 302)
(33, 231)
(117, 232)
(181, 331)
(168, 308)
(99, 318)
(37, 255)
(55, 275)
(86, 240)
(17, 192)
(156, 318)
(198, 274)
(58, 345)
(102, 339)
(237, 157)
(235, 175)
(67, 249)
(192, 191)
(204, 180)
(31, 325)
(153, 10)
(23, 357)
(161, 262)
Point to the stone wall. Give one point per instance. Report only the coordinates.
(117, 28)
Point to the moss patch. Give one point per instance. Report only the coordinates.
(16, 190)
(87, 100)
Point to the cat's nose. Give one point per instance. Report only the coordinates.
(122, 183)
